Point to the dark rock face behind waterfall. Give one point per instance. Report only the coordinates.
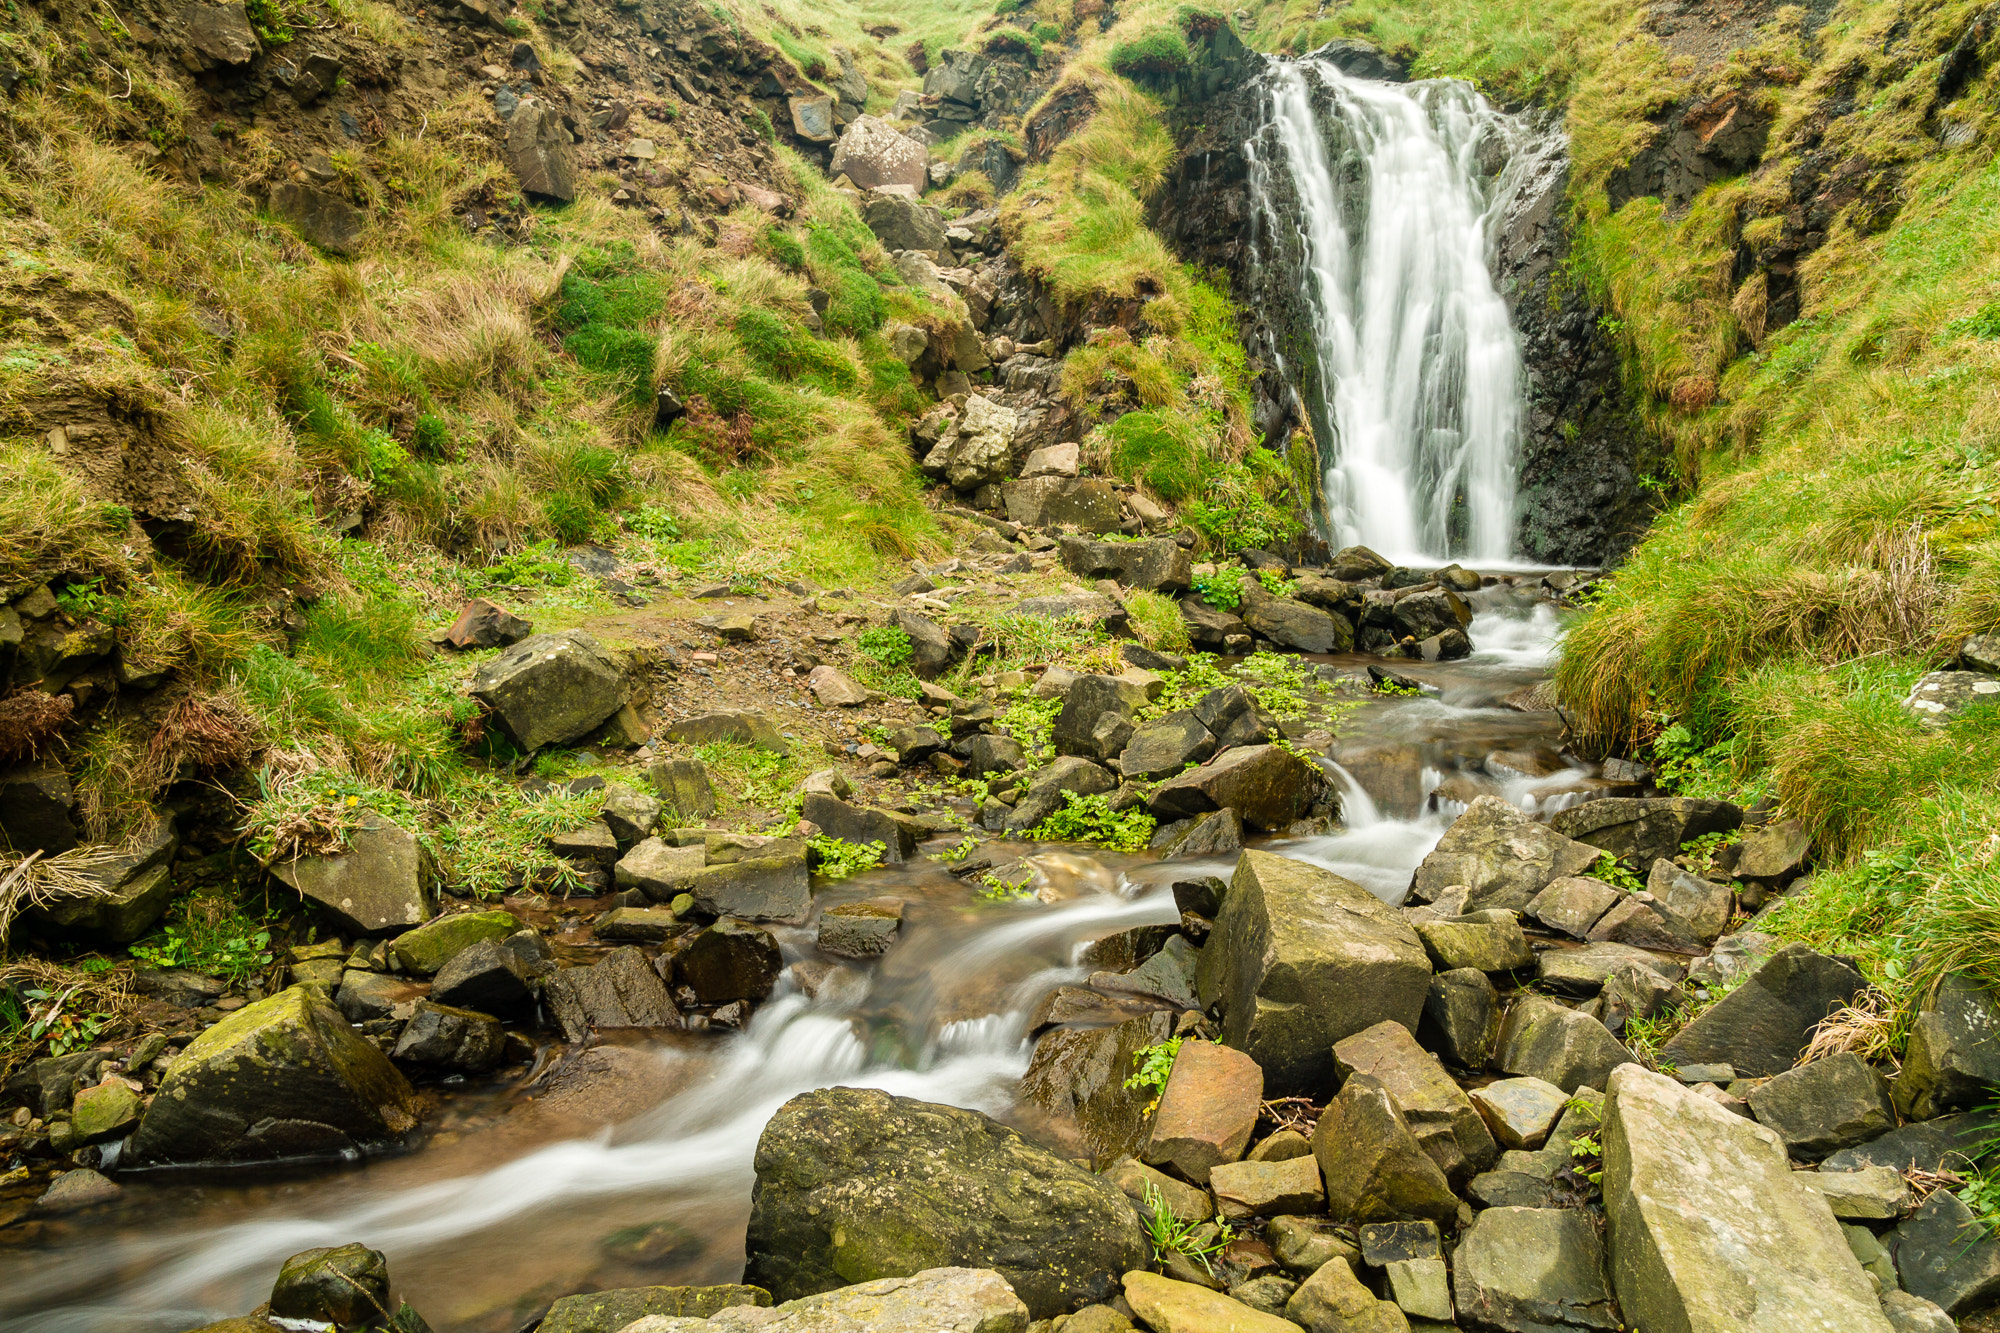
(1581, 454)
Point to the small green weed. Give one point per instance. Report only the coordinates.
(887, 644)
(1608, 869)
(1223, 589)
(1168, 1234)
(211, 935)
(1152, 1064)
(836, 859)
(1091, 819)
(995, 888)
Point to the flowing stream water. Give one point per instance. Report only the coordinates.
(1394, 193)
(509, 1203)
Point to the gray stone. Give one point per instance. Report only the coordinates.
(1044, 794)
(1461, 1019)
(871, 154)
(1583, 972)
(770, 888)
(988, 754)
(860, 930)
(1421, 1288)
(1733, 958)
(1947, 1143)
(1642, 829)
(1086, 503)
(637, 925)
(1709, 1231)
(1091, 711)
(1079, 1074)
(1188, 1203)
(1644, 923)
(622, 991)
(854, 1184)
(1762, 1025)
(486, 624)
(221, 35)
(1541, 1039)
(1703, 904)
(538, 149)
(1267, 1189)
(1824, 1106)
(1525, 1270)
(1301, 958)
(327, 220)
(592, 843)
(1520, 1111)
(1953, 1056)
(630, 815)
(366, 996)
(133, 889)
(861, 825)
(551, 689)
(74, 1190)
(382, 882)
(1504, 857)
(1872, 1194)
(621, 1308)
(1164, 748)
(282, 1077)
(1304, 1244)
(937, 1300)
(659, 870)
(1914, 1314)
(425, 950)
(684, 788)
(1294, 624)
(1374, 1167)
(1947, 1257)
(1216, 833)
(1269, 787)
(734, 725)
(487, 976)
(1332, 1300)
(1437, 1111)
(1234, 717)
(931, 648)
(1940, 696)
(812, 118)
(1157, 564)
(463, 1040)
(1489, 941)
(729, 961)
(36, 807)
(1573, 904)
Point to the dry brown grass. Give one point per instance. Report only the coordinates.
(30, 722)
(198, 735)
(1867, 1027)
(42, 881)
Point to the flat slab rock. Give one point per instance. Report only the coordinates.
(937, 1300)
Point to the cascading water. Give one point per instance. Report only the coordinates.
(1388, 197)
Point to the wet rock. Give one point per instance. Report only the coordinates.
(1438, 1113)
(617, 1310)
(1947, 1257)
(1168, 976)
(736, 725)
(74, 1190)
(1702, 904)
(1268, 786)
(429, 947)
(637, 925)
(1631, 990)
(538, 149)
(1573, 905)
(1156, 564)
(1461, 1018)
(1234, 717)
(485, 624)
(1295, 624)
(366, 996)
(1489, 941)
(1211, 629)
(1420, 615)
(1214, 834)
(383, 881)
(862, 825)
(1167, 1306)
(1207, 1110)
(107, 1111)
(551, 689)
(765, 888)
(1079, 1074)
(860, 930)
(1541, 1039)
(1268, 1189)
(1334, 1301)
(279, 1074)
(1524, 1269)
(1825, 1106)
(871, 154)
(1873, 1194)
(1709, 1232)
(1373, 1165)
(1504, 857)
(684, 788)
(441, 1035)
(1303, 1244)
(1642, 829)
(853, 1184)
(486, 976)
(1953, 1056)
(938, 1300)
(1520, 1111)
(1762, 1025)
(1301, 958)
(620, 992)
(731, 960)
(1044, 795)
(1421, 1288)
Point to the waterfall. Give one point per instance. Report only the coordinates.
(1387, 197)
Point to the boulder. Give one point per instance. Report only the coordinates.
(106, 1111)
(1167, 1306)
(861, 825)
(429, 947)
(1583, 972)
(1701, 903)
(1353, 564)
(854, 1184)
(1333, 1300)
(1643, 922)
(346, 1284)
(1914, 1314)
(384, 881)
(365, 996)
(1214, 834)
(986, 754)
(834, 688)
(764, 888)
(731, 960)
(1186, 1202)
(463, 1040)
(1421, 615)
(1541, 1039)
(1301, 958)
(812, 118)
(1953, 1056)
(1940, 696)
(283, 1077)
(1096, 718)
(1268, 1189)
(931, 648)
(1207, 1110)
(551, 689)
(1435, 1108)
(871, 154)
(1210, 629)
(70, 1191)
(592, 844)
(630, 815)
(1461, 1019)
(1079, 1074)
(1085, 503)
(1948, 1143)
(1490, 941)
(1052, 460)
(1762, 1025)
(1520, 1111)
(486, 976)
(1166, 747)
(1269, 787)
(1157, 564)
(619, 1309)
(538, 149)
(1295, 624)
(937, 1300)
(1733, 958)
(1373, 1166)
(980, 449)
(1825, 1106)
(734, 725)
(1709, 1231)
(684, 788)
(1573, 904)
(220, 36)
(860, 930)
(1504, 857)
(1044, 794)
(1773, 853)
(638, 925)
(1872, 1194)
(132, 889)
(1642, 829)
(1530, 1269)
(660, 870)
(1946, 1256)
(326, 220)
(1234, 717)
(486, 624)
(37, 807)
(622, 991)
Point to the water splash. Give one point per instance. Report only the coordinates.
(1399, 190)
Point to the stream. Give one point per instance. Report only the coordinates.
(498, 1213)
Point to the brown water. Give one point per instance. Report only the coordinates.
(516, 1197)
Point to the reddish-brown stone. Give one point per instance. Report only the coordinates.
(1207, 1111)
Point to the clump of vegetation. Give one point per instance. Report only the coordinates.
(836, 859)
(211, 934)
(1091, 819)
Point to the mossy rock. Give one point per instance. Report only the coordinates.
(425, 950)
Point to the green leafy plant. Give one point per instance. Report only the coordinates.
(654, 523)
(1608, 869)
(837, 859)
(540, 562)
(1152, 1064)
(1031, 721)
(1091, 819)
(1701, 852)
(1586, 1151)
(1276, 584)
(1223, 589)
(211, 935)
(887, 644)
(1168, 1234)
(996, 888)
(965, 848)
(1390, 685)
(87, 600)
(1286, 680)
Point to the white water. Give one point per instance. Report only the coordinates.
(1418, 358)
